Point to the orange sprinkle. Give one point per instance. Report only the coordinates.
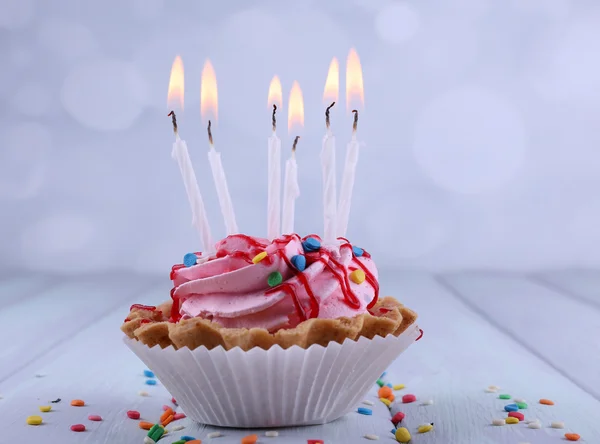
(384, 392)
(166, 414)
(392, 397)
(145, 425)
(572, 436)
(194, 441)
(250, 439)
(77, 403)
(167, 421)
(546, 402)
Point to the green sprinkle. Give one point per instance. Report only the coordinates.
(504, 397)
(156, 432)
(181, 441)
(521, 405)
(275, 279)
(380, 383)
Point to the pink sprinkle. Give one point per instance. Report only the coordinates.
(95, 418)
(408, 398)
(133, 414)
(177, 416)
(78, 428)
(398, 417)
(173, 401)
(166, 407)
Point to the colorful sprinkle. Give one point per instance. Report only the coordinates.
(45, 408)
(143, 393)
(572, 436)
(259, 257)
(511, 420)
(156, 432)
(357, 251)
(517, 415)
(384, 392)
(299, 261)
(358, 276)
(402, 435)
(398, 386)
(498, 422)
(174, 401)
(78, 428)
(179, 441)
(190, 259)
(364, 411)
(521, 405)
(519, 400)
(34, 420)
(367, 402)
(311, 244)
(249, 439)
(56, 401)
(380, 383)
(389, 384)
(133, 414)
(546, 402)
(425, 428)
(148, 440)
(383, 375)
(177, 428)
(195, 441)
(186, 438)
(504, 396)
(511, 408)
(387, 402)
(150, 382)
(95, 418)
(275, 279)
(165, 422)
(145, 425)
(315, 441)
(372, 437)
(534, 425)
(408, 398)
(178, 416)
(557, 425)
(271, 434)
(148, 374)
(213, 435)
(428, 402)
(398, 417)
(77, 403)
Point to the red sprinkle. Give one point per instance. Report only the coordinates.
(517, 415)
(133, 414)
(398, 417)
(78, 428)
(420, 335)
(177, 416)
(173, 401)
(315, 441)
(408, 398)
(95, 418)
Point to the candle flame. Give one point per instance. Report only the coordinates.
(295, 108)
(176, 86)
(209, 101)
(332, 84)
(354, 82)
(275, 94)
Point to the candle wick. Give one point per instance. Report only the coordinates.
(327, 114)
(294, 145)
(174, 120)
(274, 121)
(210, 138)
(355, 123)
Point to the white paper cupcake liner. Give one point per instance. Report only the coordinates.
(275, 387)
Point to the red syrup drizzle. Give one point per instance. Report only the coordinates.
(142, 307)
(145, 321)
(420, 336)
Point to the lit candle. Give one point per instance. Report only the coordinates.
(354, 87)
(328, 158)
(181, 155)
(209, 102)
(291, 190)
(274, 166)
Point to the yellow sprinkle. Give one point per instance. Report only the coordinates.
(425, 428)
(386, 401)
(45, 408)
(259, 257)
(511, 420)
(402, 435)
(357, 276)
(398, 387)
(34, 420)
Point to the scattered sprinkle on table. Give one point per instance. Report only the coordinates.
(529, 421)
(148, 374)
(517, 415)
(572, 436)
(364, 411)
(402, 435)
(372, 437)
(557, 425)
(504, 396)
(383, 375)
(546, 402)
(150, 382)
(45, 408)
(494, 387)
(143, 393)
(133, 414)
(77, 403)
(187, 438)
(521, 405)
(57, 400)
(156, 432)
(511, 407)
(489, 390)
(408, 398)
(387, 402)
(177, 428)
(249, 439)
(178, 416)
(174, 401)
(398, 386)
(380, 383)
(425, 428)
(78, 428)
(315, 441)
(498, 421)
(34, 420)
(367, 402)
(95, 418)
(428, 402)
(148, 440)
(398, 417)
(196, 441)
(511, 420)
(384, 392)
(145, 425)
(519, 400)
(271, 434)
(213, 435)
(534, 425)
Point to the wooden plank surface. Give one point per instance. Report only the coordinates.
(579, 284)
(561, 330)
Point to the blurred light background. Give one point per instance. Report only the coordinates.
(482, 143)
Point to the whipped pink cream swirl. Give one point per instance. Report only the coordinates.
(233, 291)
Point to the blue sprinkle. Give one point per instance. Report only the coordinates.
(150, 382)
(311, 244)
(189, 259)
(148, 374)
(299, 261)
(365, 411)
(393, 431)
(187, 438)
(390, 385)
(511, 408)
(383, 375)
(358, 252)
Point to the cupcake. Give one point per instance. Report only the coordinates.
(271, 333)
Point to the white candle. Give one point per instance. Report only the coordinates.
(199, 219)
(347, 186)
(291, 192)
(274, 189)
(221, 184)
(329, 187)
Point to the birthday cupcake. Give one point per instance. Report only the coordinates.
(271, 333)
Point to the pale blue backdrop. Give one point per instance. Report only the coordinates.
(481, 127)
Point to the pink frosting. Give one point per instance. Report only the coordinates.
(233, 291)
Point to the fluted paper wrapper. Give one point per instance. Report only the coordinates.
(275, 387)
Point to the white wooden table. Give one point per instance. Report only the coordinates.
(534, 336)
